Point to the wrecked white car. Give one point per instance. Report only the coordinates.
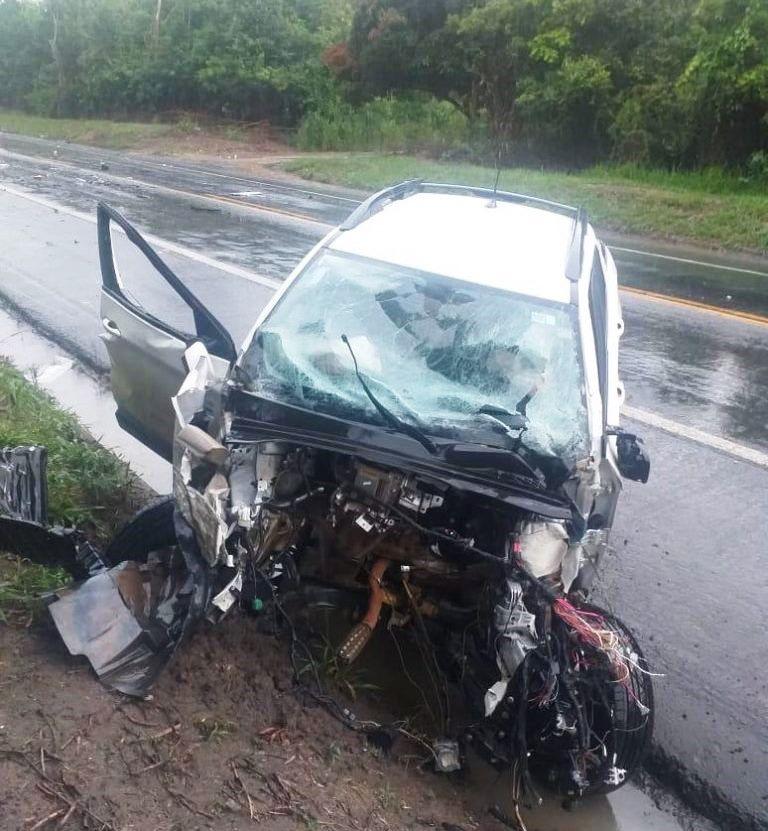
(421, 428)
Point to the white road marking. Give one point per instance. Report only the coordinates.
(747, 454)
(689, 262)
(158, 242)
(165, 189)
(312, 193)
(273, 185)
(143, 162)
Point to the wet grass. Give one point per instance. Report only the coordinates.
(162, 136)
(115, 135)
(87, 484)
(709, 207)
(21, 585)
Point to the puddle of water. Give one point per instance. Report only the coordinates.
(628, 809)
(79, 392)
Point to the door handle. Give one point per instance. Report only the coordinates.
(110, 326)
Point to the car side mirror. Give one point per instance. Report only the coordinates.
(633, 460)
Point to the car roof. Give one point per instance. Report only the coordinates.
(511, 245)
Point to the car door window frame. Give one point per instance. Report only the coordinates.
(597, 312)
(210, 331)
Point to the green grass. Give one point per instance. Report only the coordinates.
(709, 207)
(117, 135)
(417, 124)
(122, 135)
(87, 485)
(21, 584)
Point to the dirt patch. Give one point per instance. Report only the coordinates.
(219, 142)
(225, 742)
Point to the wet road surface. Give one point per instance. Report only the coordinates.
(705, 369)
(687, 574)
(732, 280)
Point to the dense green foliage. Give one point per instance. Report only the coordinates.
(672, 82)
(676, 83)
(416, 123)
(244, 59)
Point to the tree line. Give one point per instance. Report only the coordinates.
(675, 83)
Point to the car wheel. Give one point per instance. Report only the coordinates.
(620, 717)
(149, 530)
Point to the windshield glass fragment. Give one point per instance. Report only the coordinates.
(434, 350)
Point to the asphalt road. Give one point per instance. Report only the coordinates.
(736, 281)
(689, 570)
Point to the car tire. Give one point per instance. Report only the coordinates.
(631, 730)
(148, 530)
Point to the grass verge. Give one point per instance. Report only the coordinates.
(708, 207)
(21, 584)
(88, 486)
(116, 135)
(127, 135)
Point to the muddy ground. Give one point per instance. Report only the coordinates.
(225, 742)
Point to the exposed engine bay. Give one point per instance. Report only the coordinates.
(554, 688)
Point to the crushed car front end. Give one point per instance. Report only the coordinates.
(440, 448)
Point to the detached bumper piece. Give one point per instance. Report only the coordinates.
(127, 620)
(24, 528)
(23, 487)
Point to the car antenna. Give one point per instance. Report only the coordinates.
(391, 419)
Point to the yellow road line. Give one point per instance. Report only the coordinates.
(217, 197)
(650, 295)
(695, 304)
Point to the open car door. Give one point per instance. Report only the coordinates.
(150, 318)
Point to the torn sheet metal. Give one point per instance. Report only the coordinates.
(191, 395)
(128, 620)
(205, 512)
(53, 547)
(24, 516)
(23, 485)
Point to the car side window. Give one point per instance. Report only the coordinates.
(597, 309)
(134, 274)
(139, 284)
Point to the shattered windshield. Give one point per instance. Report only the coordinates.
(435, 351)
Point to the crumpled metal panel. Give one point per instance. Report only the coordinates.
(126, 621)
(23, 484)
(51, 547)
(130, 619)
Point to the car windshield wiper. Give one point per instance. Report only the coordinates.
(481, 456)
(504, 418)
(394, 422)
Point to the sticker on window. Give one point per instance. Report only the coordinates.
(543, 317)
